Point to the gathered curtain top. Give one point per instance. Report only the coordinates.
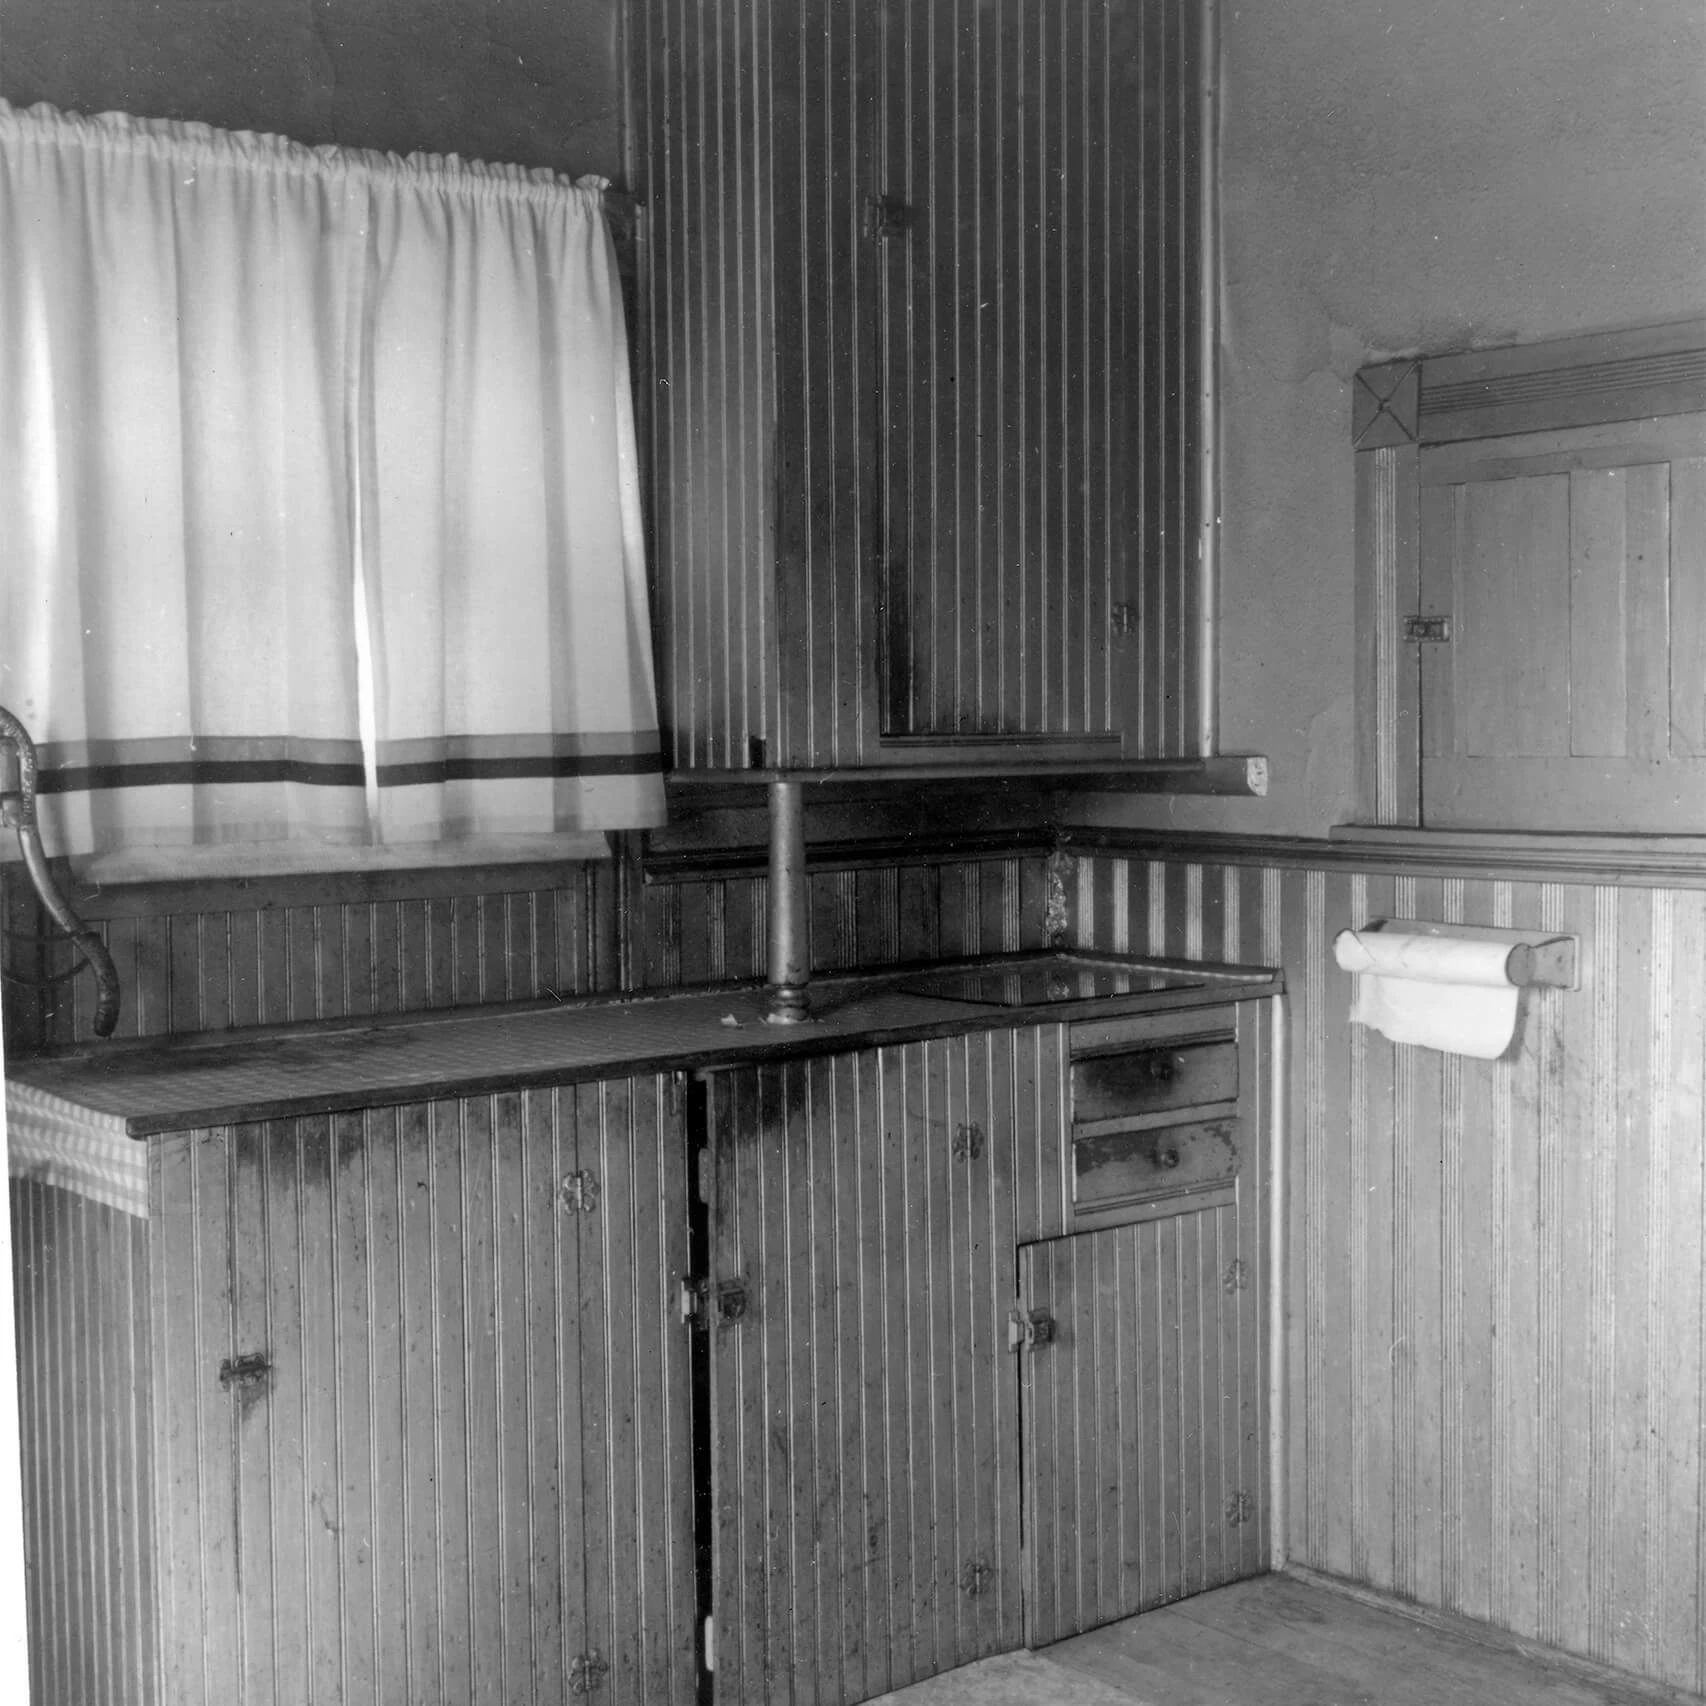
(192, 143)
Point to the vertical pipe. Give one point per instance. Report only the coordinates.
(790, 968)
(1208, 332)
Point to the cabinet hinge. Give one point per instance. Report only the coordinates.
(888, 216)
(1029, 1328)
(247, 1370)
(1427, 630)
(697, 1298)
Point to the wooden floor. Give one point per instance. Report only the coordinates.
(1283, 1641)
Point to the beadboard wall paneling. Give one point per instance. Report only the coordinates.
(1497, 1270)
(186, 971)
(698, 932)
(328, 958)
(80, 1272)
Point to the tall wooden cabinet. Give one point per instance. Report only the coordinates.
(920, 333)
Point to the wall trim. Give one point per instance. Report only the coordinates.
(1648, 861)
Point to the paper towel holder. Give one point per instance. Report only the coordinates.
(1538, 959)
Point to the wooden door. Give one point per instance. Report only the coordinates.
(1143, 1414)
(423, 1425)
(1571, 568)
(864, 1411)
(1035, 374)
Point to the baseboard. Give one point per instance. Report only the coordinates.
(1589, 1673)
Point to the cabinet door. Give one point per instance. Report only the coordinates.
(1036, 375)
(864, 1412)
(423, 1431)
(1571, 569)
(1145, 1471)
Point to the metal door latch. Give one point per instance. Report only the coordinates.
(1427, 630)
(1029, 1327)
(976, 1577)
(968, 1142)
(587, 1671)
(578, 1193)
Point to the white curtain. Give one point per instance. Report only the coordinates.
(317, 493)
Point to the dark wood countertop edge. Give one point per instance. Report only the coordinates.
(1226, 984)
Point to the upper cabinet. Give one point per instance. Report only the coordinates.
(922, 352)
(1532, 529)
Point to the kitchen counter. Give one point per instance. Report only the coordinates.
(155, 1086)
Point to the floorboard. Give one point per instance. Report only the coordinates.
(1287, 1641)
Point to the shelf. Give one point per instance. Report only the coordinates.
(1231, 773)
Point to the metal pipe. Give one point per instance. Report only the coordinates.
(1208, 401)
(790, 964)
(18, 811)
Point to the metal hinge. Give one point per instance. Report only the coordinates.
(578, 1193)
(1029, 1327)
(246, 1370)
(727, 1297)
(888, 216)
(1427, 630)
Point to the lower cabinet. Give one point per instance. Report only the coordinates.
(984, 1340)
(389, 1406)
(829, 1374)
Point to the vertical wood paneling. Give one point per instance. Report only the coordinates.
(190, 970)
(863, 1411)
(463, 1469)
(84, 1369)
(892, 477)
(1497, 1375)
(1140, 1487)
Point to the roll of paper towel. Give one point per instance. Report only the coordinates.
(1445, 992)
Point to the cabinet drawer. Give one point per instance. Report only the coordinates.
(1130, 1082)
(1120, 1167)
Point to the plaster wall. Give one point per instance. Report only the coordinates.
(1400, 178)
(532, 81)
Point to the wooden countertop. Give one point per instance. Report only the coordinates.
(177, 1084)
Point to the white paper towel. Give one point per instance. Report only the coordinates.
(1444, 992)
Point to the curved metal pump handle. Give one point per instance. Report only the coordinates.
(18, 811)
